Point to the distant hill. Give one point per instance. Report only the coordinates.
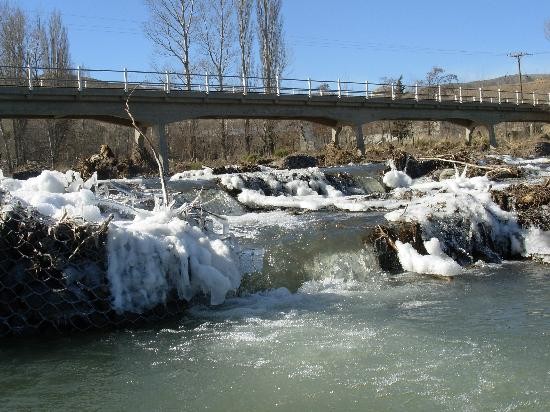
(531, 82)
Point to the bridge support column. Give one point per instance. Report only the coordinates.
(158, 135)
(469, 135)
(492, 135)
(359, 139)
(490, 128)
(139, 141)
(335, 140)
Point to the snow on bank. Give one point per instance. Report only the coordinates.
(148, 258)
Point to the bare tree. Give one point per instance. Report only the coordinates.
(57, 63)
(437, 76)
(244, 22)
(217, 38)
(14, 53)
(172, 28)
(272, 55)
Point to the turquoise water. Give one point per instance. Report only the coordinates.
(397, 343)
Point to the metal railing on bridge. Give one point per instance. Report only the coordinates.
(170, 81)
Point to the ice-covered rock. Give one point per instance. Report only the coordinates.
(435, 263)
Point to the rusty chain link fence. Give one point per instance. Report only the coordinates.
(53, 276)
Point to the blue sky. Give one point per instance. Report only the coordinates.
(351, 39)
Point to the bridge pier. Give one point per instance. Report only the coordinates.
(158, 137)
(157, 134)
(492, 135)
(359, 138)
(490, 129)
(336, 131)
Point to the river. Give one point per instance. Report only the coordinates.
(316, 326)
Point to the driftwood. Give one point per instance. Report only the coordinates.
(472, 165)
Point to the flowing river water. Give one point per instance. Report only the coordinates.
(320, 328)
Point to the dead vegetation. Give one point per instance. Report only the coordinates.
(531, 203)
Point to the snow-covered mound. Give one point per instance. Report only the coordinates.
(460, 217)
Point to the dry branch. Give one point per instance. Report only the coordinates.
(151, 146)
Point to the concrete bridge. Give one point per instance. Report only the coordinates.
(335, 104)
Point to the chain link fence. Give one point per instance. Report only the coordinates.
(53, 276)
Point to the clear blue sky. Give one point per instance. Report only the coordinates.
(351, 39)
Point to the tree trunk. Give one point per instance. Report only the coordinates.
(247, 137)
(6, 148)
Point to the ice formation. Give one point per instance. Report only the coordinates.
(435, 263)
(537, 244)
(301, 189)
(149, 257)
(56, 194)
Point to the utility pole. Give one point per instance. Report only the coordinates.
(518, 56)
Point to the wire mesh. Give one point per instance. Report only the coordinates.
(53, 277)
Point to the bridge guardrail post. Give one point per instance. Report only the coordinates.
(393, 91)
(278, 85)
(460, 94)
(499, 97)
(79, 79)
(206, 83)
(548, 99)
(167, 81)
(125, 80)
(367, 90)
(244, 84)
(416, 92)
(29, 76)
(339, 89)
(517, 98)
(309, 86)
(480, 95)
(534, 99)
(439, 93)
